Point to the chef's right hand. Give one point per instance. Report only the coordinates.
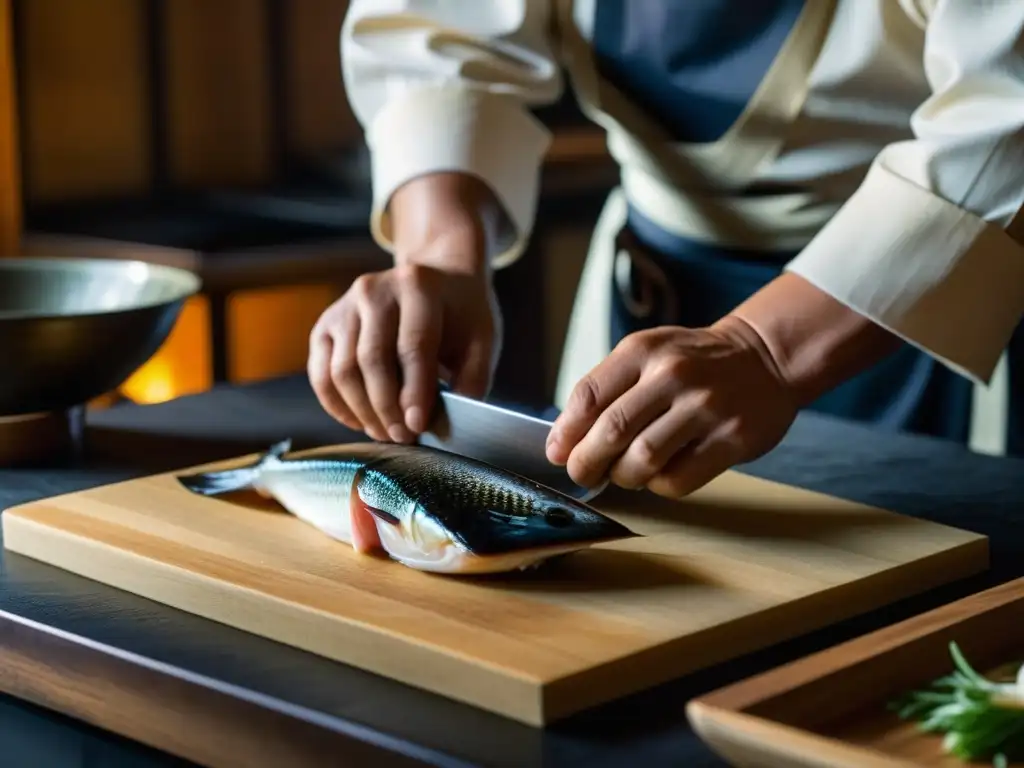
(375, 355)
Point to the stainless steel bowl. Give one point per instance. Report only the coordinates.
(74, 329)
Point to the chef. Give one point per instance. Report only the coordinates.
(820, 208)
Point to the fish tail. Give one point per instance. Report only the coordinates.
(237, 479)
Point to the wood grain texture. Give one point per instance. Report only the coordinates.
(85, 98)
(183, 714)
(10, 166)
(318, 113)
(742, 564)
(829, 709)
(218, 92)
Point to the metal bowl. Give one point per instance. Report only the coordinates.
(74, 329)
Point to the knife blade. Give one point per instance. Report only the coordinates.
(502, 437)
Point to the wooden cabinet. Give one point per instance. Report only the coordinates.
(126, 108)
(10, 174)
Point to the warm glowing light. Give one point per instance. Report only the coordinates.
(153, 383)
(269, 331)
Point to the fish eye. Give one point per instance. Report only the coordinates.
(557, 517)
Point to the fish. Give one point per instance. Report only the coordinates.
(434, 510)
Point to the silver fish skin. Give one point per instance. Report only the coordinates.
(434, 510)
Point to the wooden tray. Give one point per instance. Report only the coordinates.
(829, 709)
(743, 564)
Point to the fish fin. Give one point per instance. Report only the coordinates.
(277, 450)
(356, 499)
(237, 479)
(381, 515)
(223, 481)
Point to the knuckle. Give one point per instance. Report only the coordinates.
(634, 344)
(337, 316)
(616, 424)
(735, 427)
(412, 343)
(644, 454)
(411, 275)
(586, 395)
(344, 370)
(583, 466)
(704, 400)
(370, 356)
(623, 476)
(410, 353)
(363, 286)
(319, 380)
(672, 369)
(738, 434)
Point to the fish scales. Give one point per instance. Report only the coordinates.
(488, 510)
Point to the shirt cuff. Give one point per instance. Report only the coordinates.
(438, 129)
(936, 275)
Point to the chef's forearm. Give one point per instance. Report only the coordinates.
(445, 220)
(816, 342)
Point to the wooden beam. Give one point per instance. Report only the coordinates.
(218, 92)
(319, 116)
(85, 122)
(10, 173)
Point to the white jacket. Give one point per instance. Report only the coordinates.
(886, 138)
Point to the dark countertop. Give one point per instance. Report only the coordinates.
(915, 476)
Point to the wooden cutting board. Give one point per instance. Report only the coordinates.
(742, 564)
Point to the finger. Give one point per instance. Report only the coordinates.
(318, 369)
(419, 341)
(696, 466)
(590, 397)
(615, 429)
(376, 352)
(348, 380)
(657, 444)
(474, 375)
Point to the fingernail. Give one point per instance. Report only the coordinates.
(415, 420)
(397, 433)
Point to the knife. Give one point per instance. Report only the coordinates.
(502, 437)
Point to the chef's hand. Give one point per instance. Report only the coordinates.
(671, 408)
(376, 354)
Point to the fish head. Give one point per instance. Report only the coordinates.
(538, 516)
(467, 516)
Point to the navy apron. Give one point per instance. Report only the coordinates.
(660, 279)
(693, 65)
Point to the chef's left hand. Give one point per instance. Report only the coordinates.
(671, 408)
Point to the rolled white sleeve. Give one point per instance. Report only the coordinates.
(447, 85)
(930, 245)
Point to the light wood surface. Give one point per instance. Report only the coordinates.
(829, 709)
(742, 564)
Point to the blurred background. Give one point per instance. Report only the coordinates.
(216, 135)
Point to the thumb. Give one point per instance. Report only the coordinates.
(473, 377)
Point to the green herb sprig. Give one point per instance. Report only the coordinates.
(979, 717)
